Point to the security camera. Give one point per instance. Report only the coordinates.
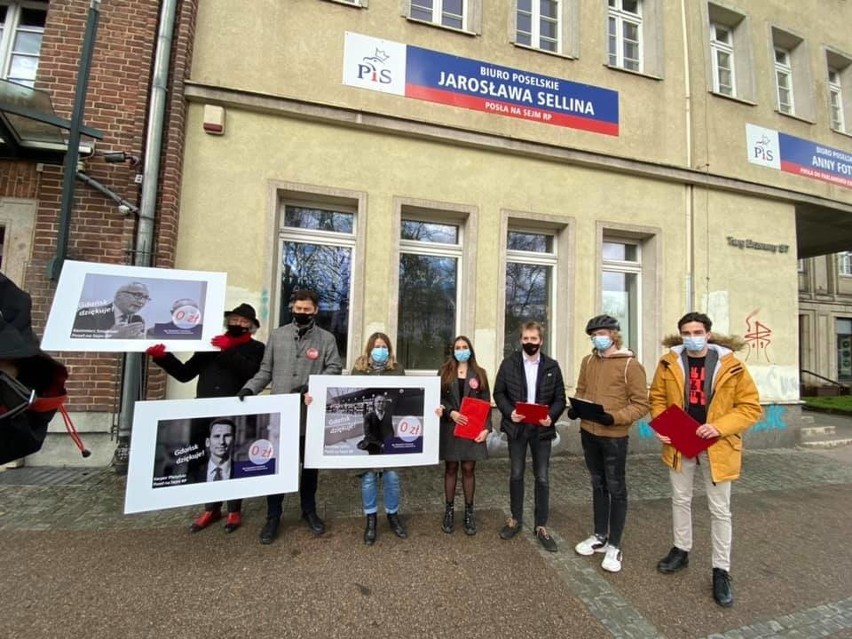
(124, 209)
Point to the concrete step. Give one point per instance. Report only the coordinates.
(816, 432)
(822, 436)
(829, 442)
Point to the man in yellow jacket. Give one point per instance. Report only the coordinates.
(701, 375)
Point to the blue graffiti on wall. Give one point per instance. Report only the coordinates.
(773, 419)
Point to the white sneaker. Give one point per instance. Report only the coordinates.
(612, 559)
(590, 546)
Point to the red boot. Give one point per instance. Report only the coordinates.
(205, 519)
(233, 522)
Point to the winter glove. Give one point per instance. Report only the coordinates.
(572, 414)
(157, 351)
(606, 419)
(244, 392)
(222, 342)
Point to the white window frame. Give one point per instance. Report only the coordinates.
(719, 48)
(550, 260)
(616, 15)
(10, 29)
(737, 24)
(784, 81)
(536, 18)
(836, 115)
(844, 264)
(437, 17)
(629, 267)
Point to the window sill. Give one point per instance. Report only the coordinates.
(845, 134)
(641, 74)
(733, 98)
(357, 4)
(441, 26)
(555, 54)
(793, 116)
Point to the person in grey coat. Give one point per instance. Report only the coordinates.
(295, 352)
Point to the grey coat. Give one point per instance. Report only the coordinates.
(291, 358)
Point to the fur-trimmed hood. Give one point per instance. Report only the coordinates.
(731, 342)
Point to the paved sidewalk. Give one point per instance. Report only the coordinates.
(73, 565)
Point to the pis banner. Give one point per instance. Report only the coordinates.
(409, 71)
(789, 154)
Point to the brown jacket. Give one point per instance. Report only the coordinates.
(733, 408)
(619, 384)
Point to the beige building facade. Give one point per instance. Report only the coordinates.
(444, 167)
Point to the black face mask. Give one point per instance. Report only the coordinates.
(530, 348)
(303, 319)
(236, 331)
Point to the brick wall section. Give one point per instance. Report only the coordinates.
(117, 105)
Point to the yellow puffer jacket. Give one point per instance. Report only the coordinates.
(734, 405)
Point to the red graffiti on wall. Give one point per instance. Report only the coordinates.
(758, 337)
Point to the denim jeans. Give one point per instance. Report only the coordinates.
(308, 481)
(606, 459)
(370, 490)
(540, 450)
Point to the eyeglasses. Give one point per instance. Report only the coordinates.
(138, 296)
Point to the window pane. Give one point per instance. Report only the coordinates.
(548, 8)
(421, 9)
(620, 299)
(427, 309)
(429, 232)
(844, 354)
(532, 242)
(23, 68)
(32, 18)
(528, 298)
(327, 270)
(318, 219)
(27, 42)
(620, 251)
(525, 5)
(548, 31)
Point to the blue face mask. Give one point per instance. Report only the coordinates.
(695, 344)
(462, 355)
(602, 342)
(379, 354)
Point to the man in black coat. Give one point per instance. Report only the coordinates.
(220, 374)
(529, 377)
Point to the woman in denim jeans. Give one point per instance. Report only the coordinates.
(378, 359)
(609, 376)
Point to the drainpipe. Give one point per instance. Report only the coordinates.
(131, 389)
(689, 195)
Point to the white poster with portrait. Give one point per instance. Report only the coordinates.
(366, 421)
(194, 451)
(117, 308)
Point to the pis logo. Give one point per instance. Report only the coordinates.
(762, 149)
(371, 68)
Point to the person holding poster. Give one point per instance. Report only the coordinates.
(461, 376)
(611, 377)
(378, 359)
(220, 374)
(529, 377)
(701, 375)
(295, 352)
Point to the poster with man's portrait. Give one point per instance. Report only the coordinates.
(117, 308)
(364, 421)
(196, 451)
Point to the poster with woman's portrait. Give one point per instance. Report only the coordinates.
(364, 421)
(117, 308)
(201, 450)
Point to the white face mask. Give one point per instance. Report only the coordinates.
(695, 344)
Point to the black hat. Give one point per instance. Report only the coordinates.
(245, 310)
(602, 321)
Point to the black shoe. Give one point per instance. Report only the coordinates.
(547, 542)
(449, 517)
(469, 520)
(512, 528)
(270, 530)
(722, 591)
(677, 559)
(396, 525)
(370, 530)
(314, 523)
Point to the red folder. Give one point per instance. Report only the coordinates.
(677, 424)
(532, 413)
(477, 412)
